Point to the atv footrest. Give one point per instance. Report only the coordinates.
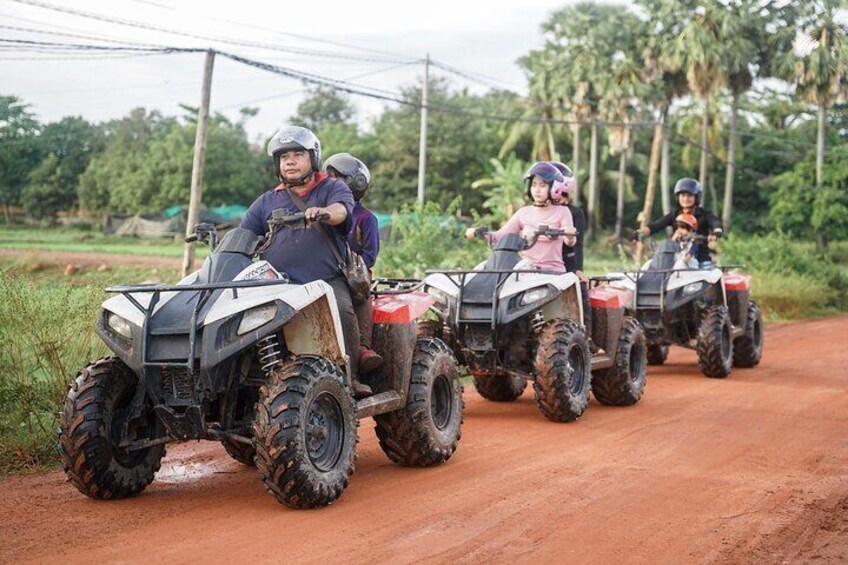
(378, 404)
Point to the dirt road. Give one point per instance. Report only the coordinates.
(752, 469)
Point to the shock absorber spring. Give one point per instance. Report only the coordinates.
(537, 322)
(269, 353)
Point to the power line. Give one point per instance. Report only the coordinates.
(290, 34)
(150, 27)
(76, 35)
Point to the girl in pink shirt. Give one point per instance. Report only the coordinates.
(547, 253)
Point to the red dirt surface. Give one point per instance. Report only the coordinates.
(751, 469)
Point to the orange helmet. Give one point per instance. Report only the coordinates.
(687, 220)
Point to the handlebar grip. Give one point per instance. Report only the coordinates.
(190, 238)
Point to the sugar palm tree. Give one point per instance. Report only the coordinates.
(504, 188)
(820, 72)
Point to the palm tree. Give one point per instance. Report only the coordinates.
(504, 188)
(701, 52)
(541, 102)
(821, 73)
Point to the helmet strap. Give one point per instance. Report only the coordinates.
(300, 181)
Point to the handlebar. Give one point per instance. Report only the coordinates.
(281, 218)
(205, 232)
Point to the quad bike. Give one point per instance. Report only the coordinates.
(510, 323)
(237, 353)
(708, 310)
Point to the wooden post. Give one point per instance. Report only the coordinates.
(199, 161)
(592, 199)
(656, 149)
(422, 147)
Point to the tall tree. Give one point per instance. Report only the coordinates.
(323, 106)
(699, 49)
(19, 152)
(820, 71)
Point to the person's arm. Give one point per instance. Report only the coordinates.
(253, 219)
(337, 212)
(370, 239)
(566, 223)
(580, 223)
(513, 225)
(339, 204)
(660, 224)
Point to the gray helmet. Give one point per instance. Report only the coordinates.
(352, 171)
(295, 137)
(689, 185)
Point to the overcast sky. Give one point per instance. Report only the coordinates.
(484, 41)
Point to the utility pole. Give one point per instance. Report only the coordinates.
(422, 148)
(199, 161)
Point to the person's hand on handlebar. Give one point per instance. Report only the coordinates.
(316, 214)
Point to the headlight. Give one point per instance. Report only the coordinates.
(533, 295)
(119, 325)
(257, 317)
(692, 288)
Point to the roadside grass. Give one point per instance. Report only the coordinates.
(83, 241)
(47, 323)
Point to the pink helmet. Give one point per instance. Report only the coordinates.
(564, 188)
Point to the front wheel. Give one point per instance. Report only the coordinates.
(748, 348)
(91, 424)
(563, 371)
(305, 433)
(715, 343)
(427, 430)
(624, 382)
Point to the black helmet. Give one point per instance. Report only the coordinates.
(295, 137)
(352, 171)
(691, 186)
(546, 172)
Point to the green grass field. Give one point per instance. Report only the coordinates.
(66, 239)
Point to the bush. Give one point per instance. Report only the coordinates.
(47, 332)
(427, 237)
(790, 280)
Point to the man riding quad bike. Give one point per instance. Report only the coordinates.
(708, 310)
(511, 323)
(236, 353)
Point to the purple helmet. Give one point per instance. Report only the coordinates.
(547, 173)
(564, 188)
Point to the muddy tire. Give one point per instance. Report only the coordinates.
(748, 348)
(239, 451)
(90, 424)
(499, 388)
(715, 343)
(427, 430)
(305, 433)
(624, 383)
(563, 371)
(656, 354)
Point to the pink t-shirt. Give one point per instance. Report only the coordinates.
(547, 253)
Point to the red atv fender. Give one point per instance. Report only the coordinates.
(608, 304)
(401, 308)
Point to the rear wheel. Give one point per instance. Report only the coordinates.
(656, 354)
(748, 348)
(427, 430)
(715, 343)
(563, 371)
(499, 388)
(305, 430)
(94, 415)
(624, 382)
